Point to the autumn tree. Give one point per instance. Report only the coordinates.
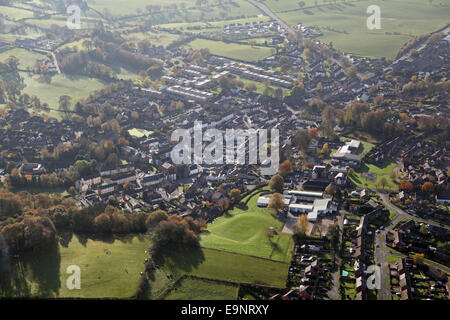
(285, 168)
(276, 202)
(276, 183)
(303, 224)
(235, 195)
(102, 223)
(428, 187)
(418, 258)
(155, 217)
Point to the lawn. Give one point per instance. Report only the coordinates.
(358, 179)
(232, 50)
(364, 148)
(200, 289)
(216, 265)
(26, 58)
(77, 87)
(243, 230)
(109, 268)
(139, 133)
(344, 23)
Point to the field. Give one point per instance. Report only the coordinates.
(216, 265)
(232, 50)
(344, 23)
(244, 231)
(191, 13)
(200, 289)
(77, 87)
(109, 268)
(360, 179)
(26, 58)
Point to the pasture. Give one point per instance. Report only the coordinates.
(344, 24)
(109, 268)
(232, 50)
(200, 289)
(216, 265)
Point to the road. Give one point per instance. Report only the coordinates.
(382, 253)
(333, 293)
(261, 6)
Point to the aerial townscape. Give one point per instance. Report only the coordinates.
(92, 92)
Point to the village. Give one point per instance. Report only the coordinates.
(364, 143)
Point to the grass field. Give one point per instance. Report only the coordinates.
(109, 268)
(380, 172)
(191, 13)
(232, 50)
(244, 231)
(26, 58)
(217, 265)
(344, 23)
(77, 87)
(15, 13)
(199, 289)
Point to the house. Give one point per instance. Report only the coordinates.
(32, 168)
(83, 185)
(443, 199)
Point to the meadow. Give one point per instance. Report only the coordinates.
(232, 50)
(77, 87)
(244, 230)
(27, 58)
(359, 179)
(200, 289)
(215, 265)
(344, 23)
(109, 268)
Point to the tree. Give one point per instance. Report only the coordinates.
(64, 104)
(102, 223)
(285, 168)
(276, 183)
(155, 217)
(428, 187)
(235, 195)
(303, 224)
(418, 258)
(301, 139)
(405, 186)
(276, 202)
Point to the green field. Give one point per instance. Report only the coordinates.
(216, 265)
(244, 231)
(380, 172)
(232, 50)
(78, 87)
(109, 268)
(15, 13)
(344, 23)
(139, 133)
(199, 289)
(26, 58)
(210, 12)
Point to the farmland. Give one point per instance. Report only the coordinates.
(344, 24)
(232, 50)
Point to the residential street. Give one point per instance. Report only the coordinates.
(382, 253)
